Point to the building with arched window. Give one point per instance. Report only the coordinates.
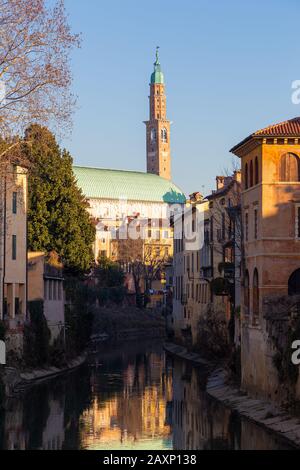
(270, 161)
(289, 168)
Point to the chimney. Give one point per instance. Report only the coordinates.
(237, 175)
(220, 182)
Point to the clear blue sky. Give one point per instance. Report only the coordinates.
(228, 68)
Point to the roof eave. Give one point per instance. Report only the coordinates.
(246, 145)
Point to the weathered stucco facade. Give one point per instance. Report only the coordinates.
(13, 250)
(45, 283)
(270, 209)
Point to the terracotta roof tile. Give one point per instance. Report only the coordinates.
(284, 129)
(289, 128)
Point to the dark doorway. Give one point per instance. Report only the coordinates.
(294, 283)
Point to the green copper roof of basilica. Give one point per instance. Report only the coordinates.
(100, 183)
(157, 76)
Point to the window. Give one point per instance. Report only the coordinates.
(50, 290)
(17, 306)
(251, 174)
(246, 293)
(164, 135)
(256, 171)
(255, 296)
(153, 135)
(255, 224)
(223, 234)
(297, 221)
(54, 290)
(246, 226)
(289, 167)
(14, 202)
(246, 176)
(14, 247)
(166, 251)
(188, 263)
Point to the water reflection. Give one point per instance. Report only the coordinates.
(132, 397)
(130, 392)
(201, 423)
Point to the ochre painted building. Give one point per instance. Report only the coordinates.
(13, 253)
(270, 161)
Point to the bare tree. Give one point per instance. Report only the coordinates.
(35, 76)
(154, 265)
(140, 259)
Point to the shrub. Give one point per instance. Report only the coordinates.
(102, 295)
(36, 336)
(117, 294)
(58, 356)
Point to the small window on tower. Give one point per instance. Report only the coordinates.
(164, 135)
(153, 135)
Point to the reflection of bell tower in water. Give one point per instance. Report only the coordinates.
(158, 127)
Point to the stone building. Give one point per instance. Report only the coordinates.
(190, 288)
(223, 247)
(206, 254)
(270, 160)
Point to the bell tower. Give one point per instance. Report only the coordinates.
(158, 127)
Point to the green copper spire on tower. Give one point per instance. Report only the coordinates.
(157, 76)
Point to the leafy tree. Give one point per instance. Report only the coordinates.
(57, 216)
(109, 273)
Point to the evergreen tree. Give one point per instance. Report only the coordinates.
(57, 216)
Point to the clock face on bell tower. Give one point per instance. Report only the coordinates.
(158, 127)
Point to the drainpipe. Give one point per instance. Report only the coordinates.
(26, 245)
(4, 243)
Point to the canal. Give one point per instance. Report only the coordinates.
(128, 396)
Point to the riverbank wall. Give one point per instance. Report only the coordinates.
(263, 413)
(128, 323)
(16, 381)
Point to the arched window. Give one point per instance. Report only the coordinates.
(251, 174)
(246, 176)
(153, 135)
(164, 135)
(255, 296)
(256, 173)
(289, 168)
(246, 293)
(294, 283)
